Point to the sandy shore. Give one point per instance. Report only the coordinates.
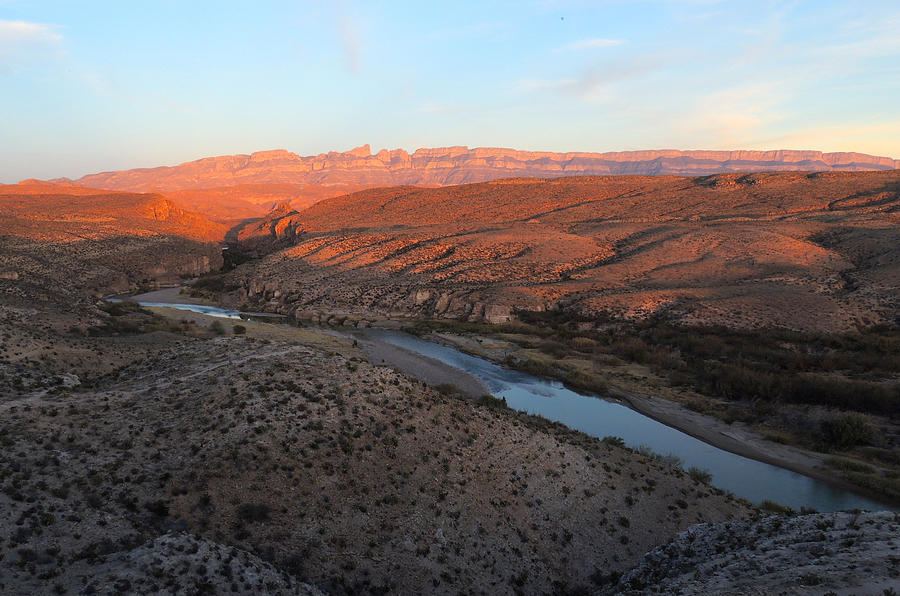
(428, 370)
(170, 295)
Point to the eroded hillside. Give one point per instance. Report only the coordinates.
(808, 251)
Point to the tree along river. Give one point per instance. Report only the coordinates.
(753, 480)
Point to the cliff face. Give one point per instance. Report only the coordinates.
(458, 165)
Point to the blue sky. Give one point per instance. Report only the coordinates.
(93, 86)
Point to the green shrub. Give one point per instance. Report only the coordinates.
(217, 327)
(774, 507)
(846, 431)
(498, 403)
(615, 441)
(699, 475)
(847, 465)
(239, 329)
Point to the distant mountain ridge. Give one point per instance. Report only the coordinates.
(459, 165)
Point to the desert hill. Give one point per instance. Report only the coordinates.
(232, 204)
(56, 241)
(811, 251)
(60, 212)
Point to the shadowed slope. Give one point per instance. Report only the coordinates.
(57, 241)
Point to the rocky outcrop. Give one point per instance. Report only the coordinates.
(457, 165)
(847, 553)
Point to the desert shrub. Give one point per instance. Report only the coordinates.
(669, 459)
(849, 465)
(581, 381)
(118, 309)
(846, 431)
(254, 512)
(554, 348)
(210, 283)
(158, 508)
(774, 507)
(448, 389)
(585, 344)
(699, 475)
(217, 327)
(632, 348)
(490, 401)
(239, 329)
(884, 456)
(615, 441)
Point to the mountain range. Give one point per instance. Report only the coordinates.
(459, 165)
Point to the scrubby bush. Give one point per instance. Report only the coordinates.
(493, 402)
(254, 512)
(700, 475)
(239, 329)
(846, 431)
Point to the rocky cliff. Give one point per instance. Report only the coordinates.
(458, 165)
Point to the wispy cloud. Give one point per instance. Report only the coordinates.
(16, 32)
(22, 41)
(589, 44)
(350, 42)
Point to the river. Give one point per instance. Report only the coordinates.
(747, 478)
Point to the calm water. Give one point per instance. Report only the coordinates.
(747, 478)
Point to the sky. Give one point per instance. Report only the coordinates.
(96, 86)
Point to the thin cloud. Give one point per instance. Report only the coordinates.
(23, 32)
(22, 42)
(589, 44)
(350, 42)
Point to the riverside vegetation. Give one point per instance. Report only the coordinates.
(833, 393)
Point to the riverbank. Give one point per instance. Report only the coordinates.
(734, 438)
(380, 353)
(428, 370)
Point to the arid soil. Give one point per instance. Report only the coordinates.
(804, 251)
